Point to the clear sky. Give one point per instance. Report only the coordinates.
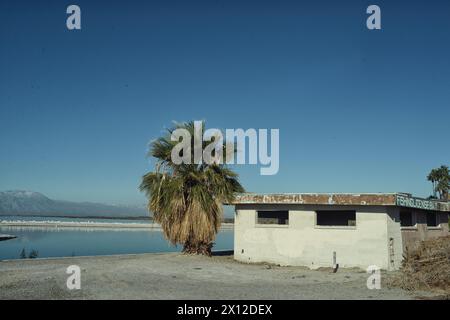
(358, 110)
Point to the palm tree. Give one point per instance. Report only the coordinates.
(443, 185)
(186, 199)
(440, 178)
(433, 176)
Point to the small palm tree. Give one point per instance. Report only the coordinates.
(440, 178)
(186, 199)
(433, 177)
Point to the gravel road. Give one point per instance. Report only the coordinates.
(176, 276)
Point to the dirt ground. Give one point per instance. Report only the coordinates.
(176, 276)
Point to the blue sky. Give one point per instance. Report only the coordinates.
(358, 110)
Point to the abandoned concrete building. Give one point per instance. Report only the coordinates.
(322, 230)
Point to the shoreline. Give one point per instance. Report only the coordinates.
(4, 237)
(88, 224)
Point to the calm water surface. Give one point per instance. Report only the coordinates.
(64, 242)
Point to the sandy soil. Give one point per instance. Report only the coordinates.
(176, 276)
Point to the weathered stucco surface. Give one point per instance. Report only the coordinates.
(364, 199)
(302, 243)
(317, 198)
(377, 239)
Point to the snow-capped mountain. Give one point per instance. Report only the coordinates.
(21, 202)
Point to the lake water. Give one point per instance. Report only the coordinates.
(66, 242)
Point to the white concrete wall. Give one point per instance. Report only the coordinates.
(302, 243)
(394, 236)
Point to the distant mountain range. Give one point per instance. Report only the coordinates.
(36, 204)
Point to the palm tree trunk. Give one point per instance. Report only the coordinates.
(202, 248)
(434, 189)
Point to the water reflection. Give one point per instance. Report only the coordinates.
(78, 241)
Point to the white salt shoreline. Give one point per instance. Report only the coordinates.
(89, 224)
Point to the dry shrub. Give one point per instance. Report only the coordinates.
(427, 267)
